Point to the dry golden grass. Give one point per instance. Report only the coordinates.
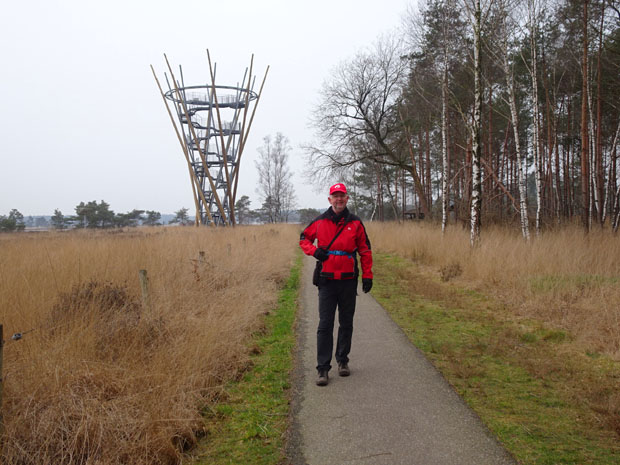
(564, 278)
(103, 379)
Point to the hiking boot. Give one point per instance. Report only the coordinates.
(323, 378)
(343, 369)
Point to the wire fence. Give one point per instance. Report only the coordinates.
(144, 287)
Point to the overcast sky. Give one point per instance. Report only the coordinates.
(81, 118)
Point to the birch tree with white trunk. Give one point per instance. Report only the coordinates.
(585, 152)
(610, 188)
(448, 43)
(534, 11)
(475, 14)
(508, 30)
(444, 147)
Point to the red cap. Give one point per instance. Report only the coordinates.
(338, 188)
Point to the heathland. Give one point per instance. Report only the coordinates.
(566, 278)
(528, 333)
(103, 375)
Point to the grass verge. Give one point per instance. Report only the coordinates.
(248, 427)
(543, 399)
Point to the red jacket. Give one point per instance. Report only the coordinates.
(342, 261)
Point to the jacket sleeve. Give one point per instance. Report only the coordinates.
(364, 249)
(307, 237)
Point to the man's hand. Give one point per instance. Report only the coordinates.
(321, 255)
(366, 285)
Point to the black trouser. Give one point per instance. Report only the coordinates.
(335, 293)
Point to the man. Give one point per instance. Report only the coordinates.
(340, 237)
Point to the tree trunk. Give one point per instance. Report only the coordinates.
(490, 187)
(379, 193)
(558, 184)
(536, 135)
(502, 159)
(444, 146)
(393, 197)
(611, 177)
(403, 194)
(594, 188)
(585, 158)
(422, 165)
(600, 176)
(476, 188)
(429, 184)
(570, 158)
(551, 131)
(419, 189)
(521, 176)
(616, 221)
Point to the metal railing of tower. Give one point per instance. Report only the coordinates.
(212, 125)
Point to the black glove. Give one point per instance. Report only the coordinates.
(366, 284)
(321, 255)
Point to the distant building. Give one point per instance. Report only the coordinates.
(413, 214)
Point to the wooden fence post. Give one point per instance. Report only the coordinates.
(1, 389)
(144, 286)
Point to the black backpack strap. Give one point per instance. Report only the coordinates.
(337, 234)
(316, 276)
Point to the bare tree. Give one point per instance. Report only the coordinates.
(516, 59)
(436, 54)
(357, 118)
(508, 26)
(275, 187)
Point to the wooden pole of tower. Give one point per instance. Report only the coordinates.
(196, 188)
(246, 108)
(236, 119)
(193, 179)
(245, 136)
(209, 117)
(224, 151)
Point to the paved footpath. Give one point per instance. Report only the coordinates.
(395, 408)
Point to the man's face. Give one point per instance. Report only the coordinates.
(338, 201)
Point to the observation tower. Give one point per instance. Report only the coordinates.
(212, 123)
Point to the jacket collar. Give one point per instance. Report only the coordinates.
(336, 218)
